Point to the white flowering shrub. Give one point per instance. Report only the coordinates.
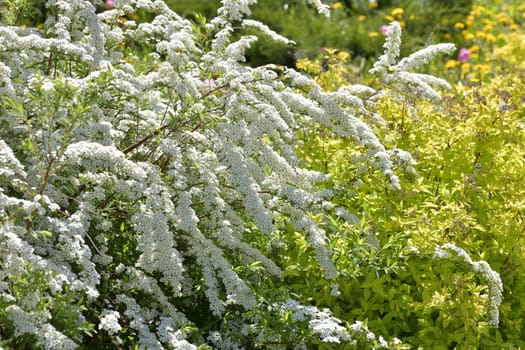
(138, 159)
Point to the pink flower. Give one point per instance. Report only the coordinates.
(110, 4)
(464, 55)
(210, 83)
(384, 29)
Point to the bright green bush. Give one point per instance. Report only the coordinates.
(469, 190)
(513, 53)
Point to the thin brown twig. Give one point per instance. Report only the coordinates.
(145, 139)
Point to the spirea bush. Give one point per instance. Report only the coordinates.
(140, 162)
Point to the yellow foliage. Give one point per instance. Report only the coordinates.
(307, 66)
(514, 51)
(330, 70)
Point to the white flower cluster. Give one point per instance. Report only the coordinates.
(358, 328)
(266, 30)
(350, 218)
(171, 334)
(6, 87)
(109, 322)
(219, 341)
(481, 267)
(323, 9)
(338, 112)
(36, 324)
(321, 322)
(140, 318)
(330, 329)
(400, 73)
(316, 236)
(80, 37)
(233, 10)
(11, 170)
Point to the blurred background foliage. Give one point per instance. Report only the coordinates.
(355, 26)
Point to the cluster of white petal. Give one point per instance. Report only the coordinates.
(34, 323)
(392, 47)
(327, 327)
(266, 30)
(400, 73)
(6, 88)
(109, 321)
(11, 168)
(359, 329)
(323, 9)
(140, 318)
(171, 334)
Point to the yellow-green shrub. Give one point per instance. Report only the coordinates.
(514, 52)
(469, 191)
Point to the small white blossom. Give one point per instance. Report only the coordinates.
(323, 9)
(266, 30)
(109, 322)
(334, 290)
(391, 46)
